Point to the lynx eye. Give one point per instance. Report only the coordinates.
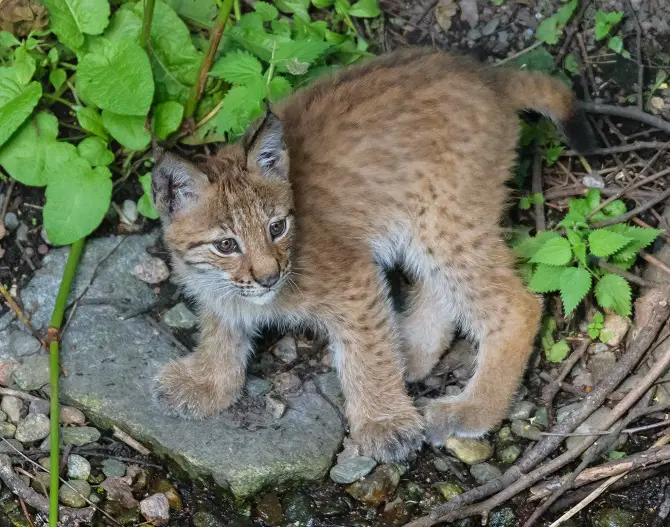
(226, 246)
(277, 228)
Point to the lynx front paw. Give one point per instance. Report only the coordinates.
(190, 395)
(453, 417)
(392, 439)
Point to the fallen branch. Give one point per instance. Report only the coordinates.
(631, 147)
(69, 516)
(655, 262)
(132, 443)
(603, 264)
(19, 395)
(652, 311)
(551, 390)
(628, 113)
(19, 313)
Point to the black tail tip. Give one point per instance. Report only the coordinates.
(578, 132)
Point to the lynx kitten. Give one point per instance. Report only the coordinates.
(401, 161)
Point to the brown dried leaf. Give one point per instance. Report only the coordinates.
(118, 489)
(20, 17)
(444, 12)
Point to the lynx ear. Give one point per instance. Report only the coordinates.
(176, 184)
(267, 150)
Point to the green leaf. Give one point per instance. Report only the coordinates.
(556, 251)
(614, 209)
(78, 196)
(579, 206)
(301, 51)
(524, 203)
(592, 198)
(578, 246)
(166, 118)
(16, 102)
(23, 156)
(606, 335)
(267, 11)
(546, 278)
(240, 106)
(365, 9)
(598, 318)
(174, 59)
(200, 11)
(238, 67)
(95, 151)
(603, 242)
(57, 78)
(145, 205)
(565, 13)
(615, 44)
(280, 87)
(616, 454)
(528, 247)
(570, 64)
(549, 30)
(642, 237)
(536, 60)
(24, 65)
(575, 285)
(613, 292)
(119, 80)
(8, 40)
(558, 352)
(91, 121)
(251, 21)
(323, 3)
(72, 19)
(593, 332)
(605, 21)
(129, 130)
(299, 7)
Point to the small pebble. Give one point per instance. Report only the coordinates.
(76, 496)
(286, 349)
(275, 407)
(3, 416)
(448, 490)
(257, 387)
(352, 469)
(23, 344)
(10, 446)
(33, 428)
(440, 465)
(39, 406)
(42, 249)
(615, 327)
(22, 233)
(7, 429)
(522, 410)
(41, 482)
(484, 472)
(525, 430)
(78, 467)
(33, 373)
(79, 436)
(11, 221)
(286, 382)
(156, 509)
(113, 467)
(152, 271)
(510, 454)
(7, 369)
(269, 510)
(129, 209)
(180, 317)
(71, 416)
(12, 406)
(470, 451)
(376, 488)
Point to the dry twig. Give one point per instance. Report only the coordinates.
(628, 113)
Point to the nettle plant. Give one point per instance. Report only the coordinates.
(567, 260)
(78, 111)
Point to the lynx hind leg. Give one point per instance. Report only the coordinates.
(502, 317)
(426, 327)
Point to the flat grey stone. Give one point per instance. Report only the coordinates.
(180, 317)
(484, 472)
(79, 435)
(23, 344)
(39, 406)
(352, 469)
(111, 364)
(33, 373)
(78, 467)
(33, 428)
(113, 467)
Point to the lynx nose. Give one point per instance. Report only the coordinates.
(268, 280)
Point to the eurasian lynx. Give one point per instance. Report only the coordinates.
(400, 161)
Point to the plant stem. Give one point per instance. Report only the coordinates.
(237, 10)
(145, 38)
(214, 40)
(54, 365)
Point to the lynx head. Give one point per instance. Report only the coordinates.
(228, 222)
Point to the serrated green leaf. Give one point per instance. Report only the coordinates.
(145, 205)
(598, 318)
(57, 78)
(536, 60)
(241, 105)
(95, 151)
(280, 87)
(129, 130)
(556, 251)
(605, 335)
(119, 80)
(642, 237)
(605, 21)
(578, 245)
(615, 454)
(8, 40)
(524, 203)
(200, 11)
(615, 44)
(299, 7)
(575, 285)
(614, 209)
(365, 9)
(174, 59)
(549, 30)
(72, 19)
(302, 51)
(593, 332)
(613, 292)
(267, 11)
(546, 278)
(592, 198)
(570, 64)
(558, 351)
(579, 206)
(91, 121)
(16, 102)
(323, 3)
(166, 118)
(78, 196)
(251, 21)
(24, 65)
(603, 242)
(23, 156)
(238, 67)
(528, 247)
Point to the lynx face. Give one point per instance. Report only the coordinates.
(229, 224)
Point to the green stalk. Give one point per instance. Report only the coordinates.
(237, 10)
(145, 37)
(54, 365)
(214, 41)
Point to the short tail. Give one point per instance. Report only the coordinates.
(528, 90)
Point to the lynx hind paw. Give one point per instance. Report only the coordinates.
(387, 442)
(446, 418)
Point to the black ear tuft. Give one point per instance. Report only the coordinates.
(176, 184)
(267, 150)
(578, 132)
